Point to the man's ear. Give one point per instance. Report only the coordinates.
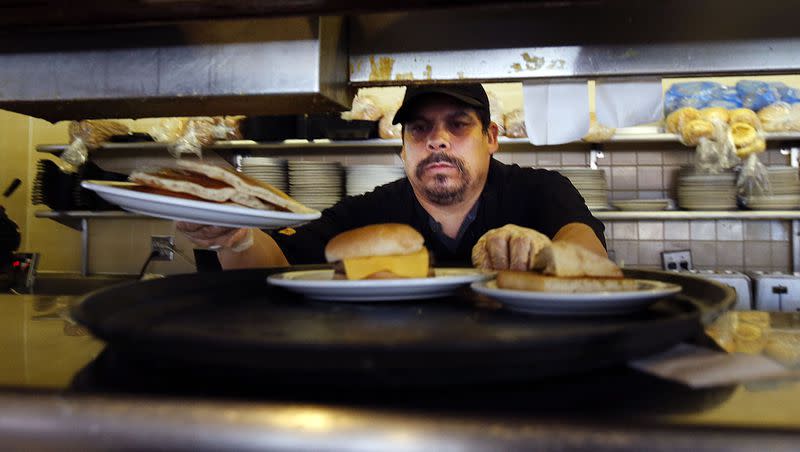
(492, 132)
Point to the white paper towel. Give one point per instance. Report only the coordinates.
(699, 367)
(556, 112)
(629, 102)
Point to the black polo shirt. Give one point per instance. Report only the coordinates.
(535, 198)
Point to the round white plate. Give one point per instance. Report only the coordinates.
(320, 285)
(579, 304)
(201, 212)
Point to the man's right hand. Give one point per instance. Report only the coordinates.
(216, 237)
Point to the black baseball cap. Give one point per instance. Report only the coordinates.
(471, 94)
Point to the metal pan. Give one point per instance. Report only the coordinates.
(233, 320)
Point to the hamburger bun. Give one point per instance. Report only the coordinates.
(379, 251)
(386, 239)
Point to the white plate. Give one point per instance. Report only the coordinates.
(594, 303)
(320, 285)
(200, 212)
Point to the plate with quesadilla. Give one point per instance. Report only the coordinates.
(205, 194)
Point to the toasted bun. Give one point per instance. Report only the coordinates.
(384, 239)
(515, 280)
(567, 259)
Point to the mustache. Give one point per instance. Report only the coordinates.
(437, 158)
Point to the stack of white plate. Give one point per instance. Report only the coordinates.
(363, 178)
(269, 170)
(591, 184)
(784, 192)
(699, 191)
(316, 184)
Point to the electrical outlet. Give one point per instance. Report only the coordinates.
(677, 260)
(163, 245)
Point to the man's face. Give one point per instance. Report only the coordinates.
(445, 151)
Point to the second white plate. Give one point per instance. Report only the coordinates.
(579, 304)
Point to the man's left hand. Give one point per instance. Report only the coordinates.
(511, 247)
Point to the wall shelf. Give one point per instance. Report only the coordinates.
(392, 145)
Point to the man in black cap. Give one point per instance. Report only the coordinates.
(455, 194)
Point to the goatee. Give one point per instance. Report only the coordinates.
(440, 193)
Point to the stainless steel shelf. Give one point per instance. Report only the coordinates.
(245, 145)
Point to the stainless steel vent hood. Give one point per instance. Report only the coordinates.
(250, 67)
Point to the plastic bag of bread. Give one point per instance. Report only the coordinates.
(365, 108)
(386, 130)
(89, 134)
(780, 117)
(496, 112)
(515, 124)
(168, 130)
(598, 133)
(203, 131)
(678, 118)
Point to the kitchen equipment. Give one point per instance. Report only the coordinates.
(9, 238)
(776, 291)
(237, 321)
(739, 281)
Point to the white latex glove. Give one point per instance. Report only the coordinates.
(217, 237)
(511, 247)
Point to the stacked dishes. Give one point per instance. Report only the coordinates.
(316, 184)
(591, 184)
(269, 170)
(784, 191)
(363, 178)
(699, 191)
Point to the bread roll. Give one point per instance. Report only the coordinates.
(598, 133)
(743, 134)
(679, 117)
(516, 280)
(714, 114)
(515, 124)
(746, 116)
(571, 260)
(695, 129)
(775, 117)
(386, 239)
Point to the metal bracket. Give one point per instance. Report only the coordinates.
(793, 152)
(595, 153)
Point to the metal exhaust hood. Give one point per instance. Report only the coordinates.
(250, 67)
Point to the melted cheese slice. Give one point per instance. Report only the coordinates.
(408, 266)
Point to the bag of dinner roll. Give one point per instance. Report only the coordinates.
(89, 134)
(515, 124)
(365, 108)
(780, 117)
(598, 133)
(203, 131)
(496, 112)
(386, 130)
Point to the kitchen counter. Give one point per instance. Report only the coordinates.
(42, 407)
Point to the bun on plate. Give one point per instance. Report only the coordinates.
(196, 180)
(379, 251)
(567, 268)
